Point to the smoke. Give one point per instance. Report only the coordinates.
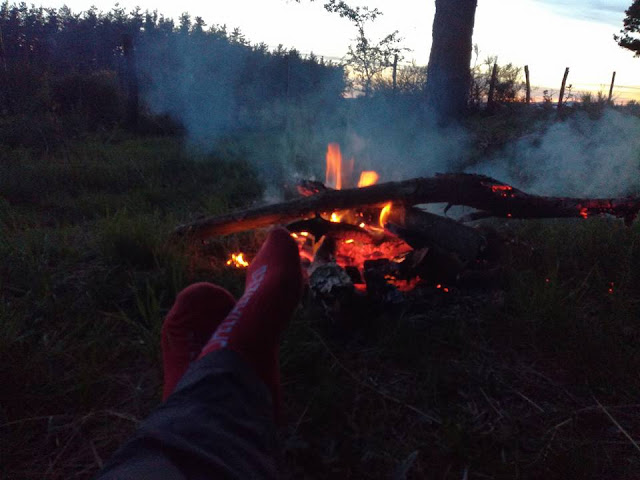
(240, 101)
(279, 111)
(396, 137)
(580, 156)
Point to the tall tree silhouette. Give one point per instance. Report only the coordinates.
(448, 75)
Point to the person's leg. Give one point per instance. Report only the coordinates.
(254, 326)
(198, 310)
(219, 421)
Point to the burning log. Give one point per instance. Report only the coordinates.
(477, 191)
(422, 229)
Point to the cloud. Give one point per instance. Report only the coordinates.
(607, 12)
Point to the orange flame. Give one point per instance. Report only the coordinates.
(334, 166)
(368, 177)
(584, 212)
(237, 260)
(384, 214)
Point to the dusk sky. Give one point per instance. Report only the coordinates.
(548, 35)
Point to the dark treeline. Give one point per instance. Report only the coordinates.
(55, 61)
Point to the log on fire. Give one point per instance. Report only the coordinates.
(490, 196)
(423, 229)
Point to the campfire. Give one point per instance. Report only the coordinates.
(354, 239)
(357, 234)
(375, 247)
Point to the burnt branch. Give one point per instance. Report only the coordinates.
(477, 191)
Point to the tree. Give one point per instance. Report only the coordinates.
(448, 75)
(367, 59)
(508, 84)
(410, 80)
(631, 23)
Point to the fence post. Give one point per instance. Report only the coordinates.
(564, 82)
(395, 69)
(526, 74)
(613, 80)
(492, 87)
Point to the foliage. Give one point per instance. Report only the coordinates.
(56, 62)
(367, 60)
(508, 85)
(410, 79)
(631, 27)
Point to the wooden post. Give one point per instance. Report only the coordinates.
(492, 87)
(132, 81)
(613, 80)
(395, 69)
(526, 74)
(564, 82)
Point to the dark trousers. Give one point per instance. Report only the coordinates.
(217, 424)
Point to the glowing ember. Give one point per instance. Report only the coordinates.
(237, 260)
(508, 215)
(362, 225)
(384, 214)
(584, 212)
(611, 285)
(368, 177)
(304, 234)
(503, 190)
(351, 240)
(335, 218)
(334, 166)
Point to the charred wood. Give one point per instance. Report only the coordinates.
(423, 229)
(477, 191)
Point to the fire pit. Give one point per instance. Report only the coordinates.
(372, 238)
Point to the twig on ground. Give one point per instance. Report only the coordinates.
(615, 422)
(96, 456)
(524, 397)
(486, 397)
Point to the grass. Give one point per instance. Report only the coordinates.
(87, 274)
(537, 381)
(511, 385)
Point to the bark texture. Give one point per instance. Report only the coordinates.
(490, 196)
(448, 76)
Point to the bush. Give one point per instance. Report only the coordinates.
(96, 96)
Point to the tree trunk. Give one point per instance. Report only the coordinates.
(448, 75)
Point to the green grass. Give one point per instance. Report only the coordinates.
(87, 273)
(498, 384)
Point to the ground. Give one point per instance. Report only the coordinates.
(537, 379)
